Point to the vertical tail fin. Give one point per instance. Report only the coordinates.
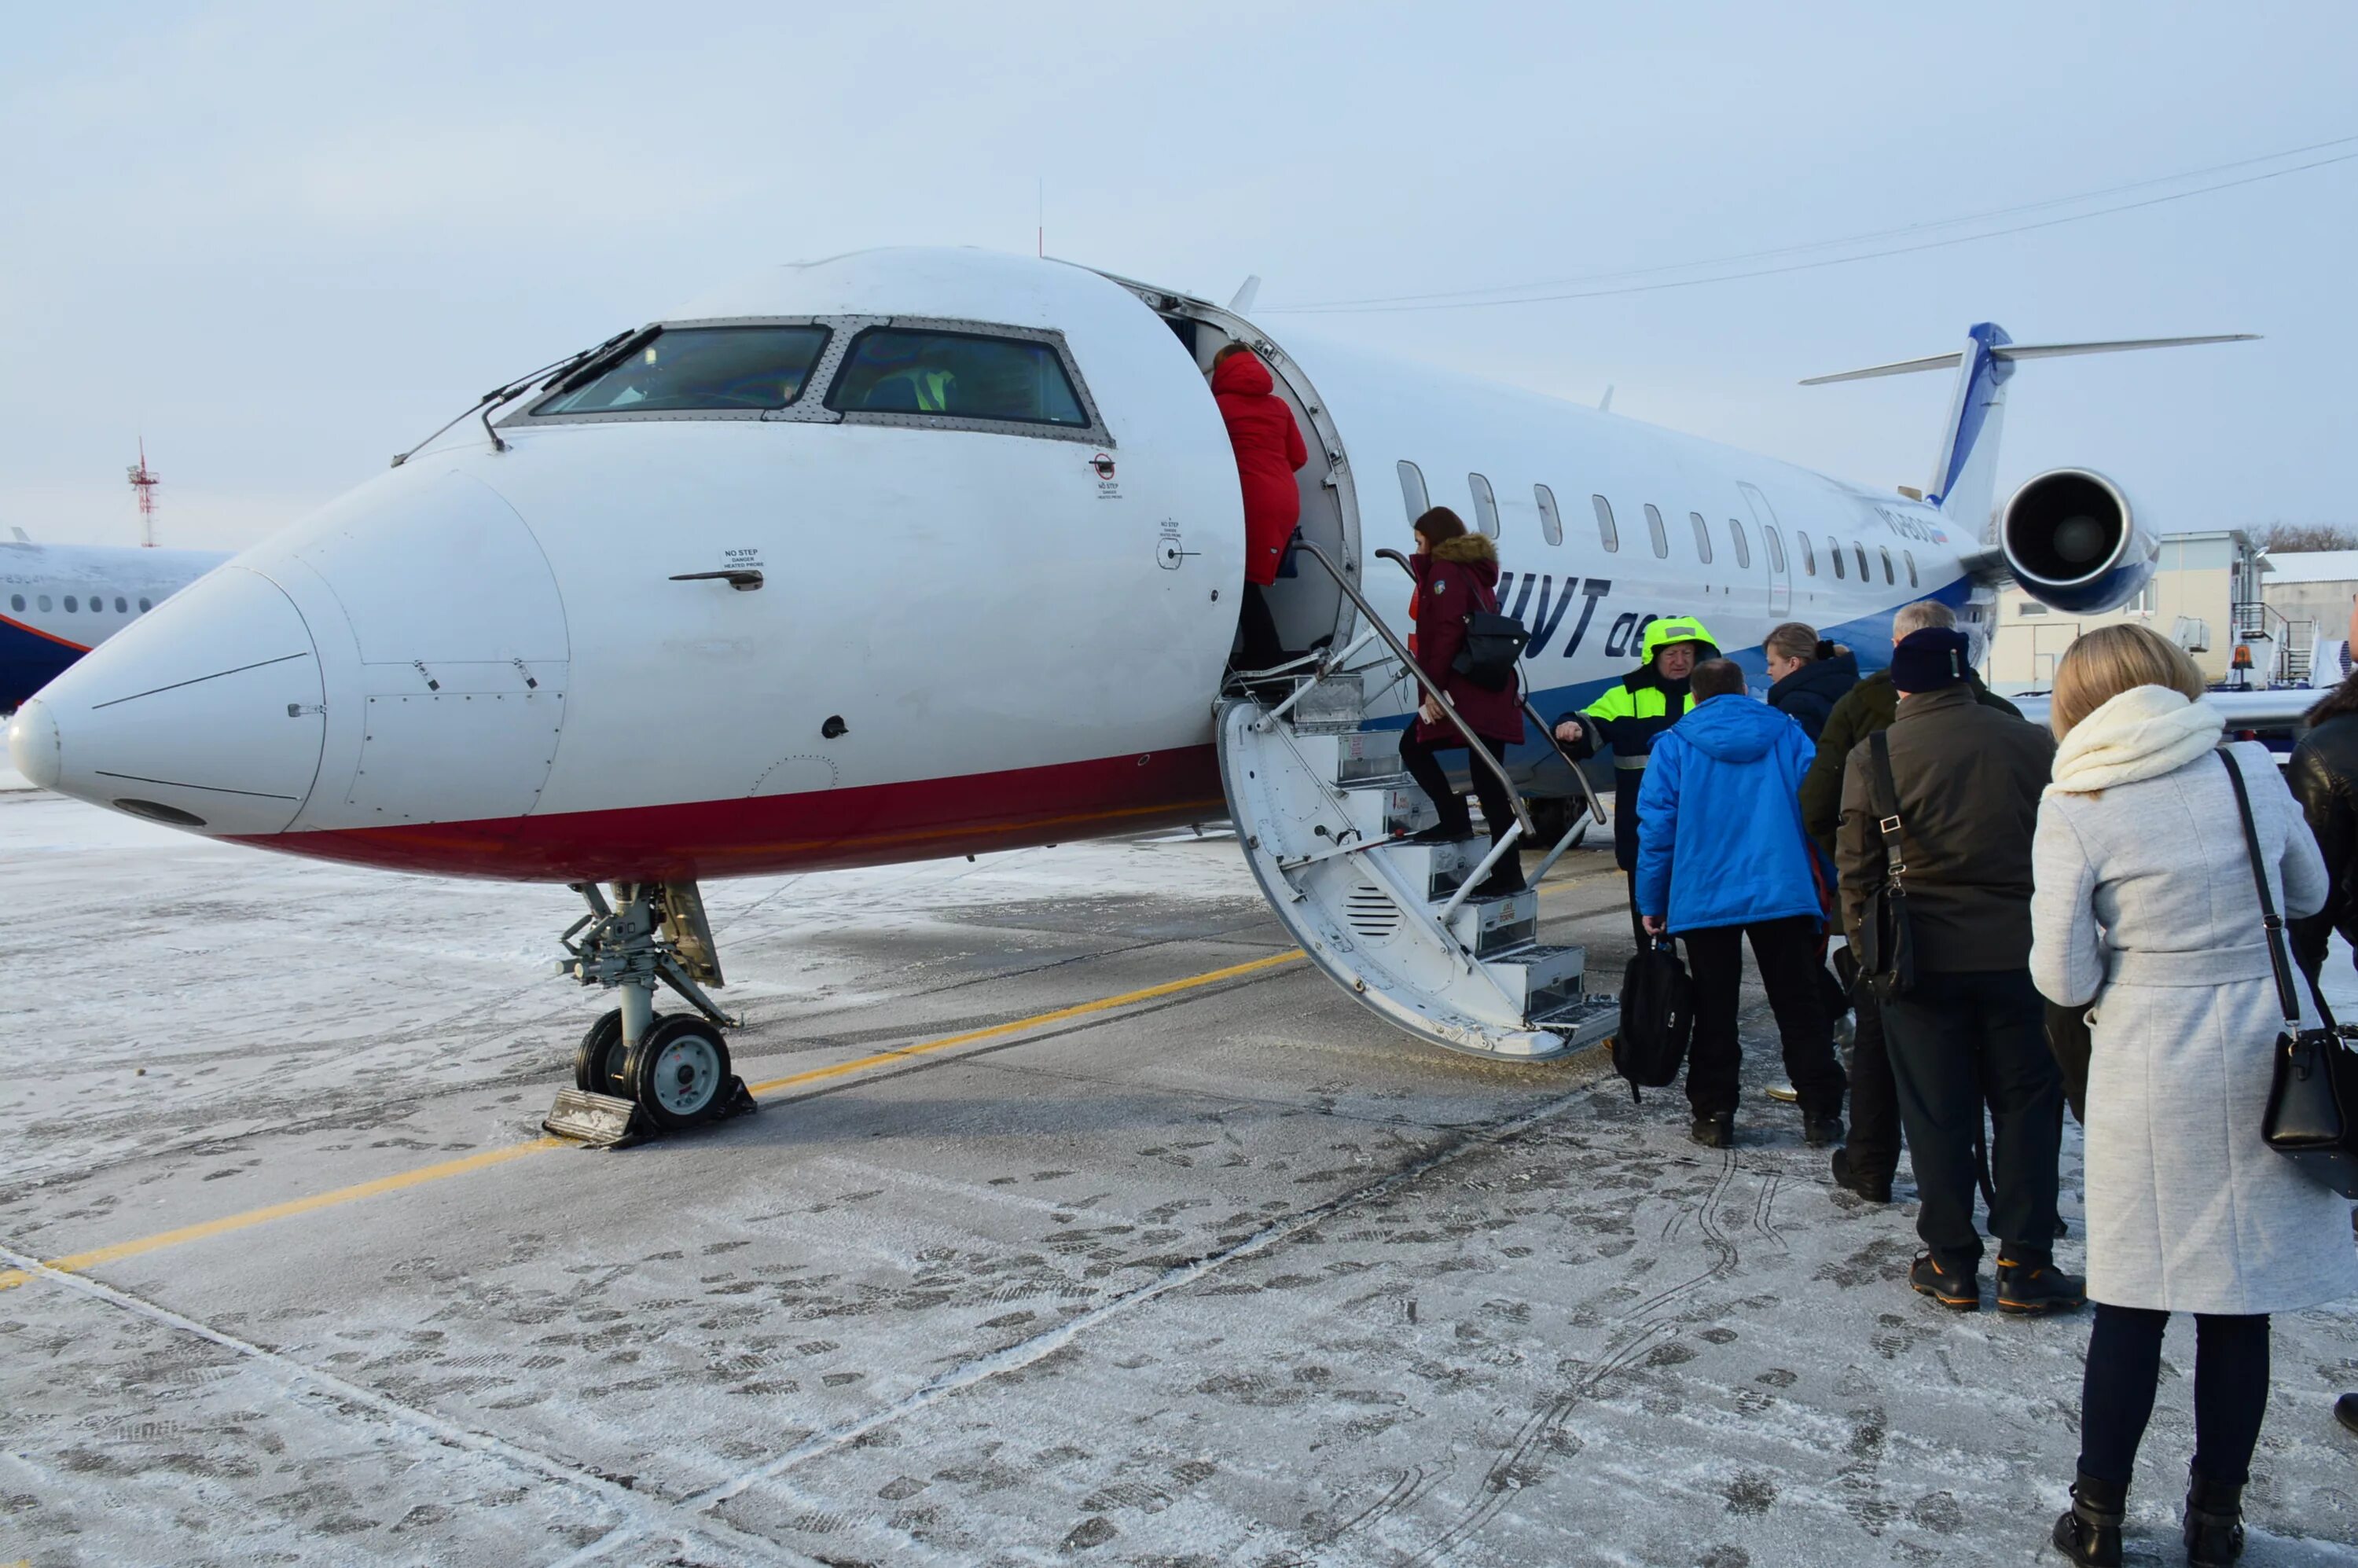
(1964, 474)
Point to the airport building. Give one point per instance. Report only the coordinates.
(2202, 594)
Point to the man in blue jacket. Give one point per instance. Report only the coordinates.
(1722, 855)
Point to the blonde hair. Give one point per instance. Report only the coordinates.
(1923, 613)
(1793, 640)
(2111, 660)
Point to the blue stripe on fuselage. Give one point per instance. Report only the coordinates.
(29, 662)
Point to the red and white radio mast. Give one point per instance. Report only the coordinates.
(142, 485)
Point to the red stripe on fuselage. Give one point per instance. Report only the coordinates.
(45, 636)
(821, 831)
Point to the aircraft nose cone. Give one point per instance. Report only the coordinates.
(33, 744)
(206, 714)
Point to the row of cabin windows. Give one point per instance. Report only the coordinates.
(1608, 532)
(97, 605)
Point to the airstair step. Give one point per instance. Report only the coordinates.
(1541, 977)
(1436, 871)
(1582, 1021)
(1492, 926)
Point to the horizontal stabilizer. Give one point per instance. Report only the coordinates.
(2030, 352)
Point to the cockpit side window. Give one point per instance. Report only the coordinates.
(743, 369)
(956, 375)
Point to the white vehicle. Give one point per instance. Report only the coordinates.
(916, 553)
(58, 601)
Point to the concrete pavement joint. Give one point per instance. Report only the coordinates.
(650, 1515)
(1029, 1352)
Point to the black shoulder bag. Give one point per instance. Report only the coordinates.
(1493, 646)
(1888, 963)
(2312, 1114)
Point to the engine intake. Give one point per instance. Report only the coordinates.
(2072, 543)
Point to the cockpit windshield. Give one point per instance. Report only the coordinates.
(700, 369)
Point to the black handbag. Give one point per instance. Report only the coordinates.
(1657, 1018)
(1492, 648)
(1888, 958)
(2312, 1115)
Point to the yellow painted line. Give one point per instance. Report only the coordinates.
(1104, 1004)
(81, 1262)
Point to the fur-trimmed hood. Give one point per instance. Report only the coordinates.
(1467, 549)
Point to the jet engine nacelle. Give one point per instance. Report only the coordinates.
(2073, 544)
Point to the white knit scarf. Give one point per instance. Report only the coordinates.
(2142, 733)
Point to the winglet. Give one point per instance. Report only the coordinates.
(1246, 295)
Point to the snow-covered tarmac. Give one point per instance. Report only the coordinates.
(1226, 1272)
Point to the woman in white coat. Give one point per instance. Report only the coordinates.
(2145, 905)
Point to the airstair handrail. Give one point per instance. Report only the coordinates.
(1595, 807)
(1473, 743)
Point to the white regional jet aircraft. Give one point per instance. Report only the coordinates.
(915, 553)
(58, 601)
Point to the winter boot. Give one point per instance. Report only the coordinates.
(1714, 1131)
(2215, 1522)
(1960, 1291)
(2089, 1533)
(2038, 1286)
(1872, 1188)
(1818, 1130)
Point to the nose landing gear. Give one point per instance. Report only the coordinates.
(636, 1074)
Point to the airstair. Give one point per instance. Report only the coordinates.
(1324, 812)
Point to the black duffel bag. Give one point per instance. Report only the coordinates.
(1657, 1018)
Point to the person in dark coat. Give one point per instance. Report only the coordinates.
(1807, 676)
(1971, 1032)
(1269, 450)
(1457, 572)
(1867, 1163)
(2323, 775)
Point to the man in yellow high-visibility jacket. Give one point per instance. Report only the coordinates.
(1631, 713)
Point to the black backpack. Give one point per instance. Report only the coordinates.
(1493, 646)
(1657, 1018)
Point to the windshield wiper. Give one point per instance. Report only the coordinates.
(595, 358)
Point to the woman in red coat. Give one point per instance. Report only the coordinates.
(1457, 572)
(1269, 449)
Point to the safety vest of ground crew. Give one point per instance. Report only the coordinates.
(930, 388)
(1634, 710)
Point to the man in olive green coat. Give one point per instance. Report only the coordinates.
(1866, 1163)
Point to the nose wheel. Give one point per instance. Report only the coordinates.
(636, 1075)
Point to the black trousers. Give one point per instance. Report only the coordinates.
(2231, 1392)
(1424, 765)
(1958, 1043)
(1261, 649)
(1787, 953)
(1874, 1098)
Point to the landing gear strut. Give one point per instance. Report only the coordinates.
(637, 1074)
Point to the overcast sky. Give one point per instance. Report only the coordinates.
(283, 242)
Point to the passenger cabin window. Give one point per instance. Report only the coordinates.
(43, 601)
(1661, 535)
(1776, 548)
(1550, 521)
(1743, 546)
(1910, 555)
(1860, 551)
(120, 607)
(1888, 575)
(1809, 555)
(1412, 495)
(1606, 531)
(1702, 537)
(70, 605)
(144, 607)
(1485, 505)
(16, 602)
(962, 375)
(1833, 554)
(700, 370)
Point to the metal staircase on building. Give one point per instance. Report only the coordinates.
(1323, 811)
